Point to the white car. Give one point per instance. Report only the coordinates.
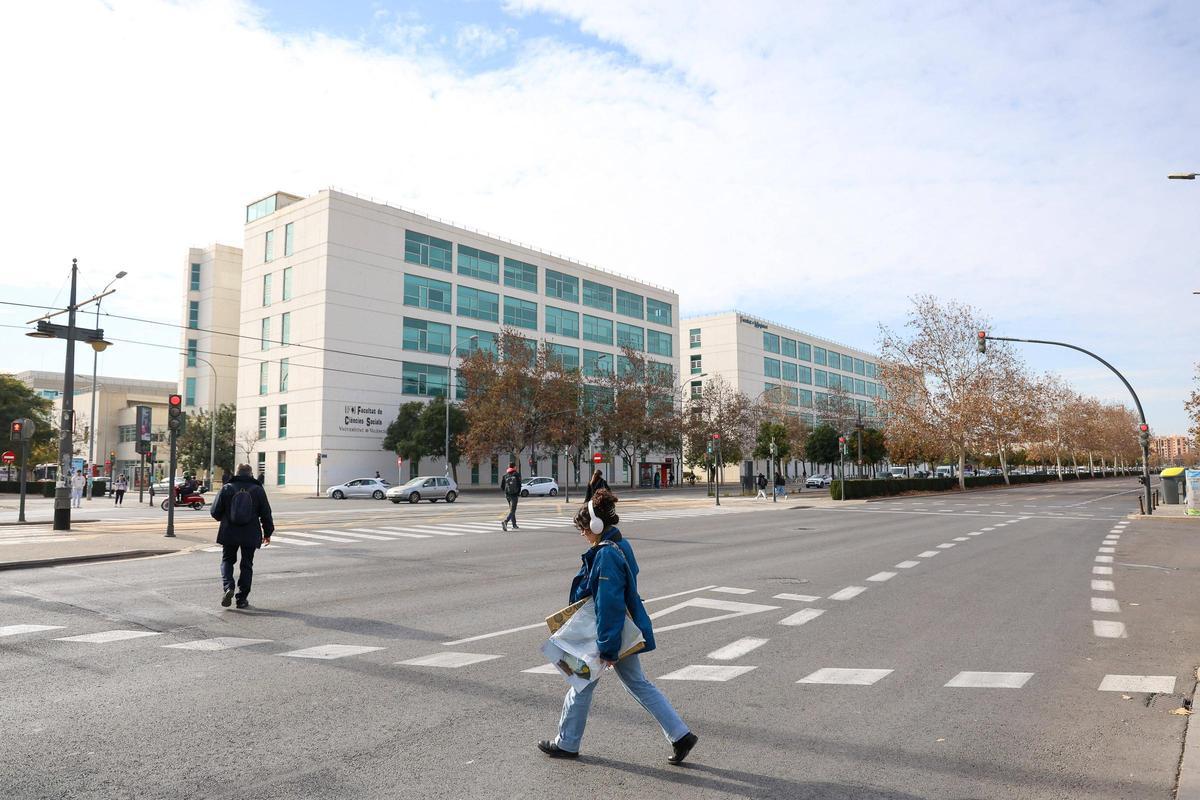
(539, 486)
(360, 487)
(425, 488)
(818, 482)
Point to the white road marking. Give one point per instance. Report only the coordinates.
(1104, 559)
(990, 680)
(799, 598)
(975, 533)
(961, 539)
(429, 529)
(401, 532)
(987, 529)
(360, 533)
(1102, 570)
(1103, 586)
(328, 652)
(1158, 684)
(847, 677)
(385, 534)
(274, 540)
(705, 672)
(1106, 550)
(451, 660)
(970, 512)
(1106, 605)
(946, 545)
(320, 536)
(1109, 542)
(1000, 524)
(737, 649)
(849, 593)
(880, 577)
(735, 609)
(216, 643)
(38, 540)
(13, 630)
(1107, 629)
(544, 669)
(104, 637)
(801, 617)
(907, 564)
(732, 590)
(928, 554)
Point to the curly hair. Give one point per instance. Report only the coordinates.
(605, 503)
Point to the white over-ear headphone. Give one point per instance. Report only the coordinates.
(594, 523)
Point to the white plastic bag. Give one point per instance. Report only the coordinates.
(573, 647)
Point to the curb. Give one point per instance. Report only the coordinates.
(57, 562)
(1158, 518)
(1187, 786)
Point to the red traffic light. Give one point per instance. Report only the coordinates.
(175, 400)
(983, 334)
(16, 427)
(841, 440)
(716, 436)
(1143, 427)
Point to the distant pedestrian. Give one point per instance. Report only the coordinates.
(780, 485)
(119, 489)
(77, 484)
(609, 575)
(761, 483)
(245, 516)
(595, 484)
(377, 475)
(511, 484)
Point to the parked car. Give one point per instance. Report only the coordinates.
(539, 486)
(818, 482)
(431, 488)
(360, 487)
(896, 472)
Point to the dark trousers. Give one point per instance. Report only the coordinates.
(229, 554)
(512, 508)
(119, 499)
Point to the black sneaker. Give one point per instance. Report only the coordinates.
(504, 525)
(682, 748)
(554, 751)
(227, 598)
(516, 527)
(242, 603)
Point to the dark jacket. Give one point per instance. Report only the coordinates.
(609, 574)
(761, 481)
(251, 534)
(780, 480)
(595, 486)
(511, 483)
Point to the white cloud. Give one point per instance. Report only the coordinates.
(479, 41)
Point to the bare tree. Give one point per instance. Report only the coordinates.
(248, 442)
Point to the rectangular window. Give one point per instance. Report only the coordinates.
(597, 295)
(127, 433)
(265, 334)
(520, 313)
(424, 380)
(561, 321)
(283, 374)
(819, 355)
(694, 337)
(520, 275)
(191, 352)
(624, 366)
(262, 422)
(630, 336)
(659, 343)
(561, 286)
(860, 386)
(281, 469)
(478, 264)
(871, 373)
(429, 251)
(260, 209)
(283, 421)
(494, 475)
(665, 373)
(289, 238)
(630, 304)
(697, 389)
(696, 367)
(771, 367)
(788, 347)
(790, 372)
(189, 393)
(872, 389)
(287, 283)
(194, 314)
(478, 304)
(426, 337)
(835, 361)
(266, 292)
(269, 247)
(262, 377)
(791, 395)
(772, 392)
(805, 352)
(567, 357)
(805, 375)
(596, 364)
(806, 398)
(285, 328)
(426, 293)
(597, 329)
(194, 284)
(475, 473)
(821, 377)
(465, 345)
(658, 311)
(835, 380)
(860, 367)
(770, 342)
(262, 464)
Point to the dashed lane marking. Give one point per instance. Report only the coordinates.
(544, 669)
(104, 637)
(928, 554)
(946, 545)
(1104, 559)
(450, 660)
(705, 672)
(13, 630)
(1106, 605)
(961, 539)
(1157, 684)
(429, 530)
(908, 564)
(328, 652)
(847, 677)
(402, 532)
(801, 617)
(989, 680)
(1103, 586)
(849, 593)
(737, 649)
(1106, 550)
(880, 577)
(361, 533)
(1102, 570)
(1107, 629)
(216, 643)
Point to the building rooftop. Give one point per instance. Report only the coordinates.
(42, 379)
(761, 320)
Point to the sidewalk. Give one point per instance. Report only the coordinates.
(1171, 513)
(38, 545)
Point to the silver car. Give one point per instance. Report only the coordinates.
(360, 487)
(429, 488)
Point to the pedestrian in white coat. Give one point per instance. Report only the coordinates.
(77, 484)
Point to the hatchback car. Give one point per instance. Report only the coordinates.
(818, 482)
(539, 486)
(360, 487)
(425, 488)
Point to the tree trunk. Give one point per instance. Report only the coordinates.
(1003, 465)
(962, 466)
(1058, 463)
(1091, 464)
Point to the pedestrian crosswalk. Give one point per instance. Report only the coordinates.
(32, 534)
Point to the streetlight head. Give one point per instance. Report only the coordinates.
(99, 345)
(40, 334)
(121, 274)
(1182, 176)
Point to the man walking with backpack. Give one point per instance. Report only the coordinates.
(246, 524)
(511, 484)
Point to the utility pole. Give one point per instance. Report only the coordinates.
(774, 470)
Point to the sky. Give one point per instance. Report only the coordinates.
(816, 164)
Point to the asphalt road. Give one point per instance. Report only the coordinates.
(959, 652)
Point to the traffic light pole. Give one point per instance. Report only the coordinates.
(170, 534)
(24, 458)
(1145, 440)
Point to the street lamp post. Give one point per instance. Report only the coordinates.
(474, 341)
(95, 360)
(679, 389)
(212, 422)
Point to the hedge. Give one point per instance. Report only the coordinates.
(882, 487)
(46, 488)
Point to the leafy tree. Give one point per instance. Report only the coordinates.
(433, 430)
(777, 433)
(197, 437)
(641, 415)
(720, 409)
(18, 400)
(1192, 406)
(407, 436)
(822, 445)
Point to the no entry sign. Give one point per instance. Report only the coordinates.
(597, 458)
(8, 457)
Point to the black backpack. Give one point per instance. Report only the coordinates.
(512, 483)
(241, 508)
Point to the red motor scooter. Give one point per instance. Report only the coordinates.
(193, 500)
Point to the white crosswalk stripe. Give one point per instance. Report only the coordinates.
(322, 537)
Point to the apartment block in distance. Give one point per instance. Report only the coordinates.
(350, 308)
(212, 314)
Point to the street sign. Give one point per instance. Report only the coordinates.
(597, 458)
(8, 457)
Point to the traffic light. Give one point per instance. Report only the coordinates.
(16, 430)
(842, 444)
(981, 345)
(1144, 435)
(174, 412)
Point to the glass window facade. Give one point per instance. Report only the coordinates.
(631, 336)
(281, 468)
(194, 314)
(263, 383)
(424, 380)
(429, 251)
(191, 352)
(694, 337)
(820, 377)
(260, 209)
(805, 375)
(770, 342)
(597, 329)
(789, 372)
(659, 343)
(266, 289)
(630, 304)
(283, 374)
(426, 337)
(659, 312)
(871, 373)
(484, 341)
(596, 364)
(289, 238)
(597, 295)
(860, 367)
(560, 321)
(788, 347)
(283, 420)
(771, 368)
(287, 283)
(791, 395)
(805, 351)
(819, 355)
(806, 399)
(520, 313)
(478, 264)
(189, 392)
(696, 365)
(285, 328)
(697, 388)
(194, 281)
(567, 357)
(269, 247)
(265, 334)
(834, 360)
(478, 304)
(426, 293)
(262, 422)
(860, 386)
(520, 275)
(561, 286)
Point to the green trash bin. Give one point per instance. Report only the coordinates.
(1172, 486)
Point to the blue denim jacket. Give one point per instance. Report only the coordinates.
(609, 574)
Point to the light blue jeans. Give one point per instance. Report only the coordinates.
(629, 669)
